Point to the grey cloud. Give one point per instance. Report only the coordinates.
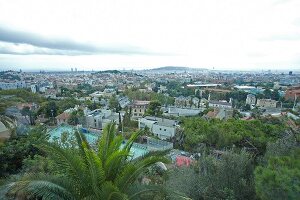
(41, 51)
(58, 46)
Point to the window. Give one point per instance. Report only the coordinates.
(140, 110)
(159, 128)
(134, 110)
(165, 129)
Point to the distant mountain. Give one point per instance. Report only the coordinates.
(173, 68)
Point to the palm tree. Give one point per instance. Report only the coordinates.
(109, 172)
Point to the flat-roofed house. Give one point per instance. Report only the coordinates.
(266, 103)
(219, 104)
(160, 127)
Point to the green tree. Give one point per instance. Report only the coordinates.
(114, 104)
(224, 134)
(16, 149)
(267, 93)
(49, 108)
(108, 173)
(27, 112)
(154, 109)
(229, 176)
(279, 176)
(184, 181)
(75, 117)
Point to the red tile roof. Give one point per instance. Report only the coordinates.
(63, 116)
(183, 161)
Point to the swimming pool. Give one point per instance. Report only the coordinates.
(92, 138)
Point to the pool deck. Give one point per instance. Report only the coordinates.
(136, 150)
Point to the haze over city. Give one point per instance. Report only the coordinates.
(149, 99)
(101, 35)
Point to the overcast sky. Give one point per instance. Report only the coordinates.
(138, 34)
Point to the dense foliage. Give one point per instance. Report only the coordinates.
(226, 176)
(154, 109)
(225, 134)
(149, 96)
(279, 176)
(16, 149)
(83, 173)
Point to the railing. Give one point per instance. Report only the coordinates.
(156, 144)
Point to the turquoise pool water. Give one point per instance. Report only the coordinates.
(135, 150)
(56, 133)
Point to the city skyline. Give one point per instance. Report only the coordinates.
(101, 35)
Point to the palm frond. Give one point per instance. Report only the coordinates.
(96, 171)
(152, 153)
(133, 137)
(70, 163)
(107, 137)
(115, 145)
(111, 192)
(44, 186)
(130, 173)
(114, 163)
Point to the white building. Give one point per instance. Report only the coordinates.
(12, 85)
(123, 101)
(160, 127)
(175, 111)
(106, 93)
(34, 88)
(251, 100)
(162, 89)
(99, 118)
(219, 104)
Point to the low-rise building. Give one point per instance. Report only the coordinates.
(8, 85)
(138, 108)
(182, 101)
(106, 93)
(123, 101)
(160, 127)
(251, 99)
(219, 113)
(34, 88)
(268, 103)
(62, 118)
(292, 93)
(99, 118)
(162, 89)
(220, 104)
(182, 112)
